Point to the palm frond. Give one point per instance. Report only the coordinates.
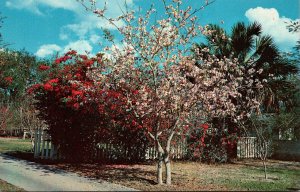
(242, 39)
(254, 29)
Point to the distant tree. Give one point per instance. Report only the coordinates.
(18, 70)
(287, 122)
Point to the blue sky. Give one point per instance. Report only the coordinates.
(44, 27)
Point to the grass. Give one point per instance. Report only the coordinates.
(14, 145)
(186, 176)
(4, 186)
(194, 176)
(282, 176)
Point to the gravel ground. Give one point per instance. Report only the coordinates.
(35, 177)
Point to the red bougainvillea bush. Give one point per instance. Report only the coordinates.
(80, 114)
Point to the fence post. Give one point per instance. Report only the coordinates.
(35, 143)
(43, 144)
(47, 149)
(51, 150)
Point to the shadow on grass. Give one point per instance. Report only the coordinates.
(99, 170)
(112, 172)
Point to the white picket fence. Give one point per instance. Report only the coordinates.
(178, 151)
(247, 147)
(43, 147)
(109, 151)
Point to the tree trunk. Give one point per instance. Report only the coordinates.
(167, 157)
(159, 169)
(168, 169)
(265, 168)
(265, 155)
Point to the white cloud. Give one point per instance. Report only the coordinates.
(29, 5)
(34, 5)
(47, 50)
(65, 4)
(88, 22)
(85, 26)
(63, 36)
(94, 38)
(72, 5)
(81, 46)
(274, 25)
(85, 21)
(91, 23)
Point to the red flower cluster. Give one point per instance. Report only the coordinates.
(71, 52)
(135, 92)
(77, 93)
(52, 81)
(60, 85)
(44, 67)
(48, 87)
(9, 80)
(33, 88)
(89, 63)
(84, 57)
(205, 126)
(62, 59)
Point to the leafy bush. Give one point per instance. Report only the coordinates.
(80, 114)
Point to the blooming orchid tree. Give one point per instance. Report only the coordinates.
(164, 88)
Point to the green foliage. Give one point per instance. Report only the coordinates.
(18, 70)
(287, 121)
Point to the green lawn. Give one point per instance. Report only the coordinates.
(14, 145)
(280, 178)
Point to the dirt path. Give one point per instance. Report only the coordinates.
(35, 177)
